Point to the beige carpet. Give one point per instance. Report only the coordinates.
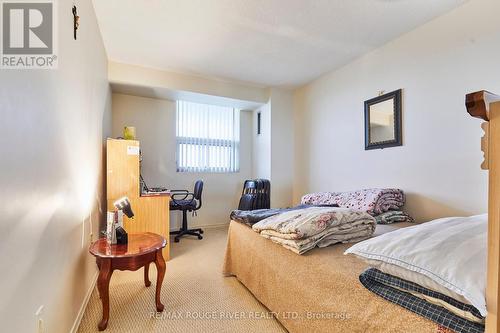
(196, 296)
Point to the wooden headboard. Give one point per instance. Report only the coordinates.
(486, 106)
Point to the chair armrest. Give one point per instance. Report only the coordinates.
(185, 195)
(178, 193)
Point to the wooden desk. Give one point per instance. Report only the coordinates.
(142, 249)
(122, 179)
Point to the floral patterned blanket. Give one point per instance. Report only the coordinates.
(374, 201)
(303, 229)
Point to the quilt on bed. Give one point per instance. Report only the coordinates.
(424, 302)
(303, 229)
(374, 201)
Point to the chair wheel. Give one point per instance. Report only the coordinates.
(176, 240)
(201, 231)
(200, 237)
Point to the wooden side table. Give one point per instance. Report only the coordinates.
(142, 249)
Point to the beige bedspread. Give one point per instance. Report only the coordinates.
(315, 292)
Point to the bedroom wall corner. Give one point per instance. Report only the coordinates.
(301, 156)
(282, 147)
(273, 150)
(261, 143)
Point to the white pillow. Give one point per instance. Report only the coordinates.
(449, 251)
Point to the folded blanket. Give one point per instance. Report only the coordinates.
(250, 217)
(303, 229)
(393, 216)
(325, 238)
(374, 201)
(444, 310)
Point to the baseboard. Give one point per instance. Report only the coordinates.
(214, 226)
(207, 226)
(86, 300)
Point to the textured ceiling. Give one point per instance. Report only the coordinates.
(266, 42)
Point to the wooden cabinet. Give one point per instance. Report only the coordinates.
(122, 179)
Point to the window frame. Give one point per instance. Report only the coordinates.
(232, 144)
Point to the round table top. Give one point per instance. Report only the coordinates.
(138, 244)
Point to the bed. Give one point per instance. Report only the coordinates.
(318, 291)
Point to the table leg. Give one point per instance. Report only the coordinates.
(160, 266)
(103, 285)
(147, 283)
(98, 262)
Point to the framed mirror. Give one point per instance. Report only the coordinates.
(383, 121)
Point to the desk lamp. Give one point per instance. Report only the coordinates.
(122, 204)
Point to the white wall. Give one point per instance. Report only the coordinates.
(438, 164)
(273, 149)
(154, 120)
(261, 145)
(51, 175)
(282, 147)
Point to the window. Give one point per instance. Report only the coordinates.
(208, 138)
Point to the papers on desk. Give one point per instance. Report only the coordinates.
(155, 193)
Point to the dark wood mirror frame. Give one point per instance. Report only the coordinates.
(397, 141)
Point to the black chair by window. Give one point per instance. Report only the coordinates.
(186, 201)
(256, 194)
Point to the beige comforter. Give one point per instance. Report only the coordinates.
(315, 292)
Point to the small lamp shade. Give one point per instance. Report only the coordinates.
(123, 204)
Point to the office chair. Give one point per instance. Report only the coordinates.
(186, 201)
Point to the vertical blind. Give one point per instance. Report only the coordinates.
(208, 138)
